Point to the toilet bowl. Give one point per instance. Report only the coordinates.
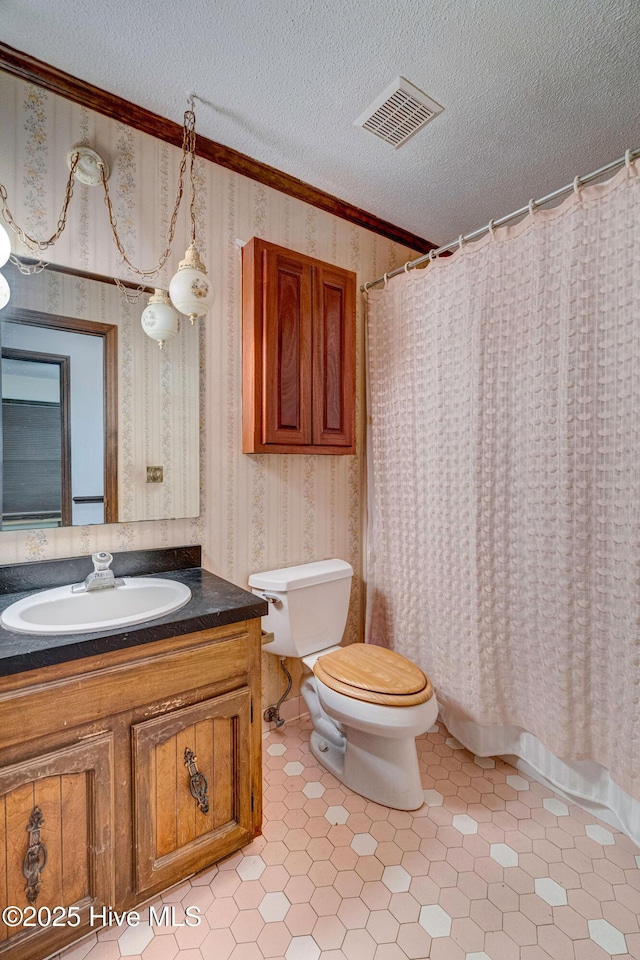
(367, 704)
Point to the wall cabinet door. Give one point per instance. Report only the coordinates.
(192, 775)
(299, 378)
(334, 362)
(56, 850)
(287, 349)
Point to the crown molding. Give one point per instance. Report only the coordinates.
(57, 81)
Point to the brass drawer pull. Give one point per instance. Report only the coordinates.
(197, 782)
(35, 859)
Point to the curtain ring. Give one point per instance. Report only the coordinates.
(532, 206)
(385, 278)
(491, 227)
(627, 158)
(431, 256)
(406, 267)
(576, 186)
(460, 242)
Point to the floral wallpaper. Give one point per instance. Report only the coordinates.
(256, 511)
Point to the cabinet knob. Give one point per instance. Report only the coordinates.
(198, 784)
(35, 859)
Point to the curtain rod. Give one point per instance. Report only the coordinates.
(578, 182)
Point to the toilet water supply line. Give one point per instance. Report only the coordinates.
(627, 159)
(272, 713)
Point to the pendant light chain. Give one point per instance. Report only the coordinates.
(32, 242)
(192, 182)
(188, 149)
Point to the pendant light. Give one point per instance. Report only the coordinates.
(5, 246)
(5, 252)
(159, 318)
(190, 289)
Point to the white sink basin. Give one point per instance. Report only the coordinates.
(60, 611)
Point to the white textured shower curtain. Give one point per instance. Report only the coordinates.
(504, 387)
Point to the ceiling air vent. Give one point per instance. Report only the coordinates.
(399, 112)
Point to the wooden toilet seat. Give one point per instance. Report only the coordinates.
(374, 674)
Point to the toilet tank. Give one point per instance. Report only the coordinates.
(311, 605)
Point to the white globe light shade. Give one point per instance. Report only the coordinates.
(190, 289)
(159, 318)
(5, 292)
(5, 246)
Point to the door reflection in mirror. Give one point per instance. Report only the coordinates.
(52, 392)
(55, 448)
(35, 440)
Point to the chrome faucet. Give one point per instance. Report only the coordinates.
(101, 577)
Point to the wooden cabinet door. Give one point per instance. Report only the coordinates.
(56, 848)
(184, 821)
(286, 358)
(334, 386)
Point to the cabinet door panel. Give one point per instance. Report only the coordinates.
(333, 359)
(186, 833)
(287, 350)
(56, 808)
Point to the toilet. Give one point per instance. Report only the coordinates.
(367, 704)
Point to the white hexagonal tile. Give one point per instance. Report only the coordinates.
(251, 868)
(293, 768)
(463, 823)
(638, 860)
(274, 907)
(556, 807)
(432, 798)
(396, 879)
(518, 783)
(313, 789)
(364, 844)
(337, 815)
(434, 729)
(551, 892)
(599, 834)
(276, 749)
(607, 936)
(487, 763)
(134, 939)
(435, 921)
(454, 744)
(477, 956)
(302, 948)
(503, 854)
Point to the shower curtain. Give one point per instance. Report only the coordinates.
(504, 473)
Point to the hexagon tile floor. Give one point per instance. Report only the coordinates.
(492, 867)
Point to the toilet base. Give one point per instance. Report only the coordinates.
(382, 770)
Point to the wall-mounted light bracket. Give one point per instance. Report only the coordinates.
(87, 169)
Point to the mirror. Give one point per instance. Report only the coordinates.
(98, 424)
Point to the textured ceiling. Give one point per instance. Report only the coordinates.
(534, 93)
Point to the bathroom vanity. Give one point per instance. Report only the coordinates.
(129, 760)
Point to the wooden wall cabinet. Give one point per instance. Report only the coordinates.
(299, 347)
(122, 774)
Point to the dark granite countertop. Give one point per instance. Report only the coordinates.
(214, 602)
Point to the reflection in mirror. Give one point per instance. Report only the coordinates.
(35, 440)
(89, 404)
(56, 375)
